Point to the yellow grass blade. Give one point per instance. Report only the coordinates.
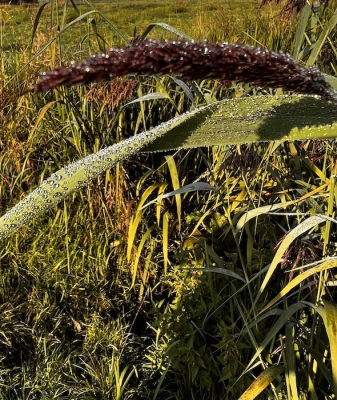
(239, 199)
(175, 183)
(291, 361)
(261, 382)
(139, 251)
(39, 118)
(165, 240)
(291, 285)
(160, 200)
(328, 312)
(136, 220)
(306, 225)
(258, 211)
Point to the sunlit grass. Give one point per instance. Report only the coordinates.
(88, 310)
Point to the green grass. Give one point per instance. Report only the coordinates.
(79, 320)
(212, 20)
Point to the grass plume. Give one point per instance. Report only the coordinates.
(191, 61)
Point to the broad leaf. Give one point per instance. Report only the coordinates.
(227, 122)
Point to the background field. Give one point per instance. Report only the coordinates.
(99, 300)
(212, 20)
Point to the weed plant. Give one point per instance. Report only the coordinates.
(103, 299)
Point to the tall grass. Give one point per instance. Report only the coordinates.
(103, 298)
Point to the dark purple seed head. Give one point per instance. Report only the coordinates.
(192, 61)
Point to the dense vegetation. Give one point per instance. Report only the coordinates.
(103, 298)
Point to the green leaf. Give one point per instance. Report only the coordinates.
(332, 80)
(192, 187)
(300, 32)
(165, 240)
(252, 119)
(222, 271)
(139, 251)
(185, 88)
(291, 361)
(135, 220)
(276, 327)
(320, 41)
(36, 22)
(175, 183)
(226, 122)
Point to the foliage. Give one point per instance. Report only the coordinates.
(87, 308)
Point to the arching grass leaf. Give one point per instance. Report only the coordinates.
(300, 278)
(306, 225)
(256, 212)
(192, 187)
(150, 96)
(226, 122)
(167, 27)
(222, 271)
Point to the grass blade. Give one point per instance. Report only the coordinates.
(165, 240)
(192, 187)
(36, 23)
(291, 360)
(252, 119)
(39, 118)
(320, 41)
(185, 88)
(137, 218)
(302, 24)
(139, 251)
(306, 225)
(262, 381)
(328, 312)
(222, 271)
(300, 278)
(175, 183)
(256, 212)
(75, 7)
(276, 327)
(167, 27)
(147, 97)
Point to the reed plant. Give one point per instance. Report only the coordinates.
(191, 273)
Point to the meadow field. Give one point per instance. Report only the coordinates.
(117, 293)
